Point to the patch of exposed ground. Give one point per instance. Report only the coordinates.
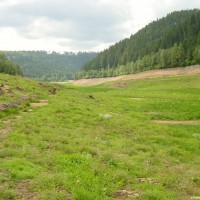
(6, 121)
(4, 132)
(147, 180)
(40, 103)
(95, 81)
(24, 192)
(5, 89)
(191, 70)
(4, 106)
(127, 194)
(187, 122)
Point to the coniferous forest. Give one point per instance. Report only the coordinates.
(44, 66)
(8, 67)
(171, 41)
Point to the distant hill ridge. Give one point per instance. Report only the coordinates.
(44, 66)
(171, 41)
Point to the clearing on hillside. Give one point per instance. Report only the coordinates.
(191, 70)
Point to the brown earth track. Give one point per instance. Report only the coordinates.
(191, 70)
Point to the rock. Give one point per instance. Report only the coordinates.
(105, 116)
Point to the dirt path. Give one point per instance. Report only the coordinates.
(191, 70)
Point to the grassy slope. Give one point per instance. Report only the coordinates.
(70, 149)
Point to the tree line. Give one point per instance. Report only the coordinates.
(171, 41)
(164, 58)
(8, 67)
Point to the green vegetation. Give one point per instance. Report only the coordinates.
(43, 66)
(172, 41)
(8, 67)
(101, 142)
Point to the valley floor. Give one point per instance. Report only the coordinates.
(100, 142)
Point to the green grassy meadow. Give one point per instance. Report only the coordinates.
(101, 142)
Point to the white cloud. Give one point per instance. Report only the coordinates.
(78, 24)
(11, 40)
(5, 3)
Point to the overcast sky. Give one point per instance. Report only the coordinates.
(78, 25)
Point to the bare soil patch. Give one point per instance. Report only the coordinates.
(147, 180)
(95, 81)
(40, 103)
(4, 132)
(6, 121)
(23, 190)
(3, 107)
(5, 89)
(126, 194)
(189, 122)
(191, 70)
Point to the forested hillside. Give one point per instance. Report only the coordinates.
(8, 67)
(168, 42)
(44, 66)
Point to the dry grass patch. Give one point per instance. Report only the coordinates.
(40, 103)
(137, 98)
(186, 122)
(147, 180)
(127, 194)
(3, 132)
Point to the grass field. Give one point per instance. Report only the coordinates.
(101, 142)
